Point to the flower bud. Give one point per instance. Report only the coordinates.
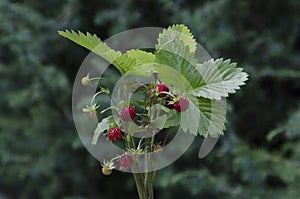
(85, 81)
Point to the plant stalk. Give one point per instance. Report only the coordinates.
(144, 185)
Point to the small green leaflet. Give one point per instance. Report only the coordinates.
(176, 32)
(166, 74)
(212, 117)
(141, 57)
(160, 121)
(102, 126)
(94, 44)
(219, 78)
(183, 62)
(158, 116)
(175, 48)
(173, 119)
(123, 62)
(190, 119)
(135, 58)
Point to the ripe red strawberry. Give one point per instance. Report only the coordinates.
(162, 88)
(126, 162)
(182, 105)
(128, 113)
(115, 134)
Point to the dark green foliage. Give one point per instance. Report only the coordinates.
(40, 153)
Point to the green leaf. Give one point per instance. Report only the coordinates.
(166, 74)
(219, 78)
(125, 63)
(141, 57)
(173, 119)
(212, 117)
(102, 126)
(179, 58)
(177, 32)
(158, 115)
(159, 122)
(135, 58)
(190, 119)
(94, 44)
(175, 48)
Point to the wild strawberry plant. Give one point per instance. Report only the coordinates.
(142, 125)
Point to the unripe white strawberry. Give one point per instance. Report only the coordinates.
(86, 81)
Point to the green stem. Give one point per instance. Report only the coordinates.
(149, 186)
(164, 144)
(101, 78)
(144, 185)
(140, 185)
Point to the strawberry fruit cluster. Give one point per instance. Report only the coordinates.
(155, 93)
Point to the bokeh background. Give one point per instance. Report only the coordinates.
(41, 155)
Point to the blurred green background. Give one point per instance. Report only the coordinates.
(41, 155)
